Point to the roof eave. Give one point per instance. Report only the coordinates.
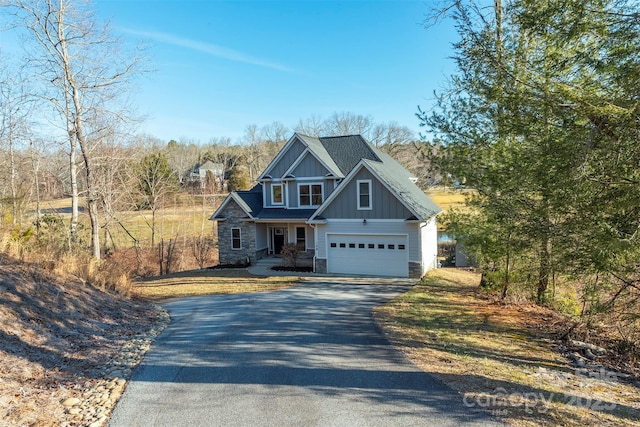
(316, 221)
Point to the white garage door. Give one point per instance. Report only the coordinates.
(377, 255)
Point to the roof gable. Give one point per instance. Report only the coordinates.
(250, 201)
(307, 165)
(316, 147)
(338, 154)
(383, 203)
(291, 151)
(397, 179)
(396, 182)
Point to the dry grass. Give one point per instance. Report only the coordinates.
(185, 218)
(207, 282)
(448, 199)
(499, 357)
(56, 334)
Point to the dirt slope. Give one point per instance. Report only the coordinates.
(55, 335)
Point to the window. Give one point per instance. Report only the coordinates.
(276, 194)
(236, 240)
(301, 238)
(310, 194)
(342, 245)
(372, 246)
(380, 245)
(352, 245)
(391, 246)
(360, 245)
(401, 247)
(364, 194)
(333, 245)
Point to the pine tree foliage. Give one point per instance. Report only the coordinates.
(542, 120)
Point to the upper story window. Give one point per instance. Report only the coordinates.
(364, 194)
(276, 194)
(310, 194)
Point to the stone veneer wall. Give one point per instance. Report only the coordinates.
(321, 266)
(236, 218)
(262, 253)
(415, 270)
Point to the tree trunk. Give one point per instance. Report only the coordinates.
(12, 163)
(35, 164)
(73, 179)
(505, 284)
(77, 120)
(153, 227)
(544, 271)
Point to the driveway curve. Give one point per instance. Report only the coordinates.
(309, 355)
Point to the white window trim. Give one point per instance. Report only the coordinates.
(305, 236)
(310, 184)
(368, 182)
(240, 235)
(273, 202)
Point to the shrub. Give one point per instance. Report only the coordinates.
(290, 254)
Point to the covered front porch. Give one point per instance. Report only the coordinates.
(272, 236)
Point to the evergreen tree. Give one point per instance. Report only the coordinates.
(542, 119)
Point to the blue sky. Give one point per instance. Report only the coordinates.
(223, 65)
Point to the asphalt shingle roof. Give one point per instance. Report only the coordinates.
(316, 146)
(252, 199)
(251, 202)
(341, 154)
(347, 151)
(398, 178)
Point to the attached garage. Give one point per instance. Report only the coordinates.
(371, 254)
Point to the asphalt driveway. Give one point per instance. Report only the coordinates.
(310, 355)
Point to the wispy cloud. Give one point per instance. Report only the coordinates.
(208, 48)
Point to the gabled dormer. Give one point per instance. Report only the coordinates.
(301, 176)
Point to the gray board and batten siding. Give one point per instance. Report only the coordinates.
(278, 169)
(384, 204)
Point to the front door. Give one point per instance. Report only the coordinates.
(277, 241)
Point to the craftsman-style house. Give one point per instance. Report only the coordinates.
(350, 207)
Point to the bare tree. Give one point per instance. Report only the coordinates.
(183, 156)
(15, 110)
(275, 132)
(35, 155)
(347, 123)
(114, 186)
(221, 151)
(311, 126)
(252, 152)
(155, 182)
(84, 70)
(391, 135)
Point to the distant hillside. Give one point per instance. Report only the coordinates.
(55, 335)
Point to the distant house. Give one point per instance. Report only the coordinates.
(199, 174)
(350, 207)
